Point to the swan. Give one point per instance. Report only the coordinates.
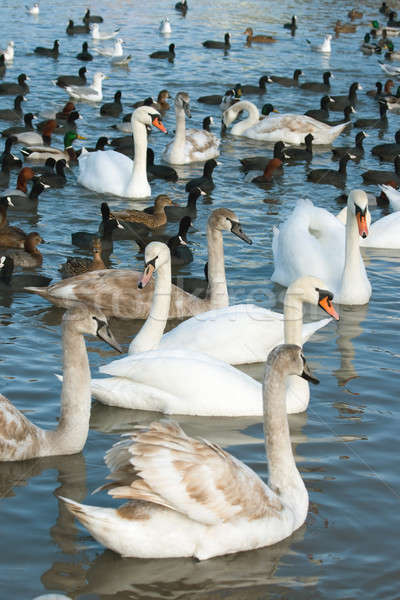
(383, 233)
(151, 379)
(192, 145)
(188, 497)
(92, 93)
(312, 241)
(288, 128)
(114, 173)
(19, 438)
(116, 293)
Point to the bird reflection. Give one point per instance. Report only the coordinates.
(348, 327)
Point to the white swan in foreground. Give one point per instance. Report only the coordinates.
(111, 172)
(312, 241)
(93, 92)
(191, 145)
(392, 195)
(182, 381)
(288, 128)
(19, 438)
(188, 497)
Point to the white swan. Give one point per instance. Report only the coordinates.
(115, 51)
(19, 438)
(313, 241)
(383, 233)
(182, 381)
(190, 145)
(393, 196)
(188, 497)
(289, 128)
(103, 35)
(111, 172)
(93, 92)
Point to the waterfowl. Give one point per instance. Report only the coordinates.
(24, 176)
(156, 219)
(175, 213)
(207, 122)
(270, 171)
(346, 120)
(106, 286)
(393, 102)
(355, 14)
(112, 52)
(165, 26)
(33, 10)
(392, 22)
(379, 176)
(159, 171)
(7, 158)
(88, 18)
(10, 237)
(388, 152)
(62, 115)
(8, 53)
(321, 114)
(84, 54)
(22, 200)
(316, 86)
(30, 256)
(75, 266)
(3, 66)
(100, 145)
(112, 172)
(182, 6)
(392, 195)
(295, 154)
(205, 182)
(57, 179)
(52, 52)
(342, 101)
(70, 124)
(288, 128)
(80, 79)
(191, 145)
(103, 35)
(225, 45)
(330, 176)
(256, 163)
(169, 54)
(344, 27)
(292, 25)
(357, 151)
(15, 129)
(367, 47)
(16, 283)
(288, 81)
(75, 29)
(38, 138)
(46, 169)
(178, 244)
(109, 224)
(112, 109)
(21, 439)
(13, 114)
(377, 93)
(4, 175)
(314, 242)
(324, 47)
(384, 9)
(257, 39)
(256, 89)
(44, 152)
(11, 88)
(378, 123)
(92, 93)
(384, 232)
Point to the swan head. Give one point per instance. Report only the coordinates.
(87, 320)
(156, 254)
(288, 359)
(312, 290)
(148, 116)
(224, 219)
(357, 207)
(182, 102)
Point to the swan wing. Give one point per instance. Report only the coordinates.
(384, 233)
(159, 463)
(393, 196)
(105, 172)
(293, 128)
(17, 433)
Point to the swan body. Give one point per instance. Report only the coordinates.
(92, 93)
(189, 145)
(392, 195)
(288, 128)
(114, 173)
(312, 241)
(189, 497)
(103, 35)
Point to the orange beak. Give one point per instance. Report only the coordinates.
(145, 278)
(362, 224)
(157, 123)
(327, 306)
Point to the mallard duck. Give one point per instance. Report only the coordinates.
(44, 152)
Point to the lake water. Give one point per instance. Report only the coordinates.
(346, 441)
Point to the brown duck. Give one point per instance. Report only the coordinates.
(30, 256)
(76, 266)
(257, 39)
(10, 237)
(152, 221)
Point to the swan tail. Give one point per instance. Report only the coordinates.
(41, 291)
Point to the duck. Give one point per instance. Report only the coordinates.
(257, 163)
(251, 515)
(205, 182)
(21, 439)
(70, 124)
(292, 25)
(378, 123)
(135, 304)
(75, 29)
(169, 54)
(13, 114)
(218, 99)
(10, 237)
(112, 109)
(4, 175)
(376, 93)
(178, 244)
(16, 283)
(392, 22)
(207, 122)
(8, 53)
(367, 47)
(112, 52)
(342, 101)
(269, 173)
(11, 88)
(257, 39)
(89, 18)
(165, 26)
(57, 179)
(314, 242)
(64, 80)
(346, 120)
(225, 45)
(388, 152)
(156, 219)
(316, 86)
(176, 213)
(344, 27)
(92, 93)
(330, 176)
(30, 255)
(103, 35)
(28, 126)
(63, 114)
(288, 81)
(392, 195)
(84, 54)
(355, 14)
(288, 128)
(256, 89)
(379, 176)
(38, 138)
(325, 47)
(7, 158)
(357, 151)
(51, 52)
(152, 389)
(3, 66)
(191, 145)
(393, 102)
(21, 199)
(113, 173)
(300, 154)
(75, 266)
(101, 142)
(33, 10)
(21, 188)
(159, 171)
(321, 114)
(44, 152)
(182, 6)
(109, 225)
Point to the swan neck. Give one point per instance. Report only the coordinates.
(216, 269)
(139, 168)
(293, 318)
(253, 116)
(351, 270)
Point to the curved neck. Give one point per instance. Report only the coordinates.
(216, 269)
(253, 116)
(178, 144)
(151, 332)
(293, 317)
(139, 169)
(353, 270)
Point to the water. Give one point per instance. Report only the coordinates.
(344, 444)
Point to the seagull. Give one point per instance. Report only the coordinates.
(114, 52)
(324, 47)
(33, 10)
(103, 35)
(165, 26)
